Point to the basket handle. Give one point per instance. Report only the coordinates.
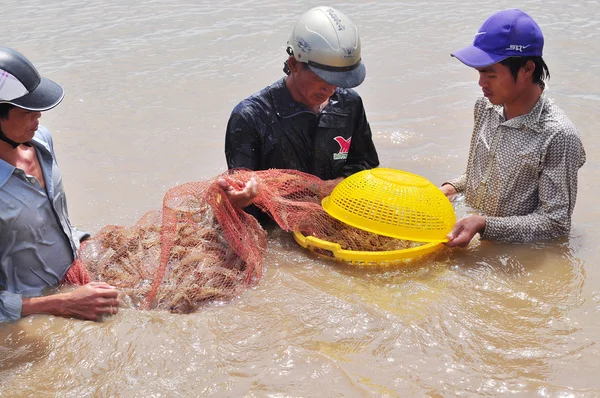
(310, 240)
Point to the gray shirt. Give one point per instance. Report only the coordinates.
(522, 173)
(37, 242)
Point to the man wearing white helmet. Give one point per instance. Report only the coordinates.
(38, 244)
(311, 120)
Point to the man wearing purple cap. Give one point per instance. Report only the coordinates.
(38, 244)
(525, 153)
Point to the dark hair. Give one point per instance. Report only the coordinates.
(4, 109)
(515, 64)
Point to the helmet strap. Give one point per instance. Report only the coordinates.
(12, 143)
(286, 67)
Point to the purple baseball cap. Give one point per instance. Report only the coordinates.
(508, 33)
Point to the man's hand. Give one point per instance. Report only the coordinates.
(464, 230)
(239, 195)
(90, 302)
(449, 191)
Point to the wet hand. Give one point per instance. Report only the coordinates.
(239, 195)
(464, 230)
(91, 301)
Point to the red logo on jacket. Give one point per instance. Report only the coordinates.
(344, 147)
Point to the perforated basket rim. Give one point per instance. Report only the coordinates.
(349, 218)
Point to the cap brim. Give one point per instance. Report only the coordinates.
(45, 96)
(477, 58)
(346, 79)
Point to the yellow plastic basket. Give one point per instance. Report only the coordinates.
(392, 203)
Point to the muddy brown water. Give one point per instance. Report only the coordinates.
(149, 88)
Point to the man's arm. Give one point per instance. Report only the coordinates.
(242, 144)
(454, 186)
(458, 185)
(557, 196)
(362, 154)
(90, 302)
(242, 150)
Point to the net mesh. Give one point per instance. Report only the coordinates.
(200, 248)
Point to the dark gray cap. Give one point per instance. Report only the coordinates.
(21, 84)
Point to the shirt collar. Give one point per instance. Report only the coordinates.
(530, 120)
(7, 169)
(40, 143)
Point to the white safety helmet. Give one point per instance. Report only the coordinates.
(328, 42)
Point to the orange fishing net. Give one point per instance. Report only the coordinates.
(199, 247)
(77, 274)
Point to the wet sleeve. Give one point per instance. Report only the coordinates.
(557, 195)
(10, 306)
(458, 183)
(241, 143)
(79, 236)
(362, 154)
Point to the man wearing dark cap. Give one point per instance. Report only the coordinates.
(311, 120)
(525, 153)
(38, 244)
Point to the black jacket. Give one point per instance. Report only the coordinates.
(271, 130)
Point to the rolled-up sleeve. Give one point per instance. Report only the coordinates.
(11, 305)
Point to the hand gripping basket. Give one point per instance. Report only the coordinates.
(391, 203)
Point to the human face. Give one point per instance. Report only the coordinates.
(20, 124)
(498, 84)
(308, 88)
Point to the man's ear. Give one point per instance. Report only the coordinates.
(528, 68)
(292, 63)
